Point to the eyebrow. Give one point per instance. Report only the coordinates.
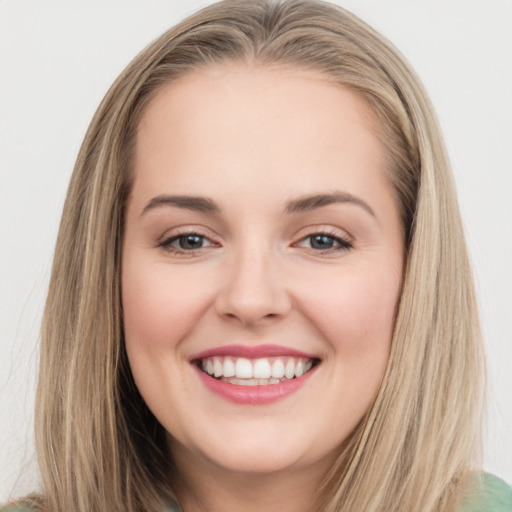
(302, 204)
(307, 203)
(197, 204)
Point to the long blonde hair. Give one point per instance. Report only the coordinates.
(100, 448)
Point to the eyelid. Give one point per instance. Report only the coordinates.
(345, 242)
(165, 241)
(324, 229)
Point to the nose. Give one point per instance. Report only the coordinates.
(253, 293)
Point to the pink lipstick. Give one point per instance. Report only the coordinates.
(252, 352)
(254, 374)
(256, 395)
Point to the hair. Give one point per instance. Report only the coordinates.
(100, 448)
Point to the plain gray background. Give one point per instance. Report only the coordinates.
(57, 59)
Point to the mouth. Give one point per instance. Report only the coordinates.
(263, 371)
(254, 375)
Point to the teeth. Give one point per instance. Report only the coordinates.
(263, 371)
(278, 369)
(289, 371)
(248, 382)
(217, 367)
(252, 382)
(229, 367)
(243, 368)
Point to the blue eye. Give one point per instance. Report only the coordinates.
(186, 242)
(190, 242)
(322, 242)
(325, 242)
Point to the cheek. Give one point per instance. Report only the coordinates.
(160, 305)
(355, 312)
(160, 308)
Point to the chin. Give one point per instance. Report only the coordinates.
(256, 462)
(256, 452)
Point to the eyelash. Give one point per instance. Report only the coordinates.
(343, 244)
(167, 243)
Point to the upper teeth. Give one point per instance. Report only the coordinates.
(264, 368)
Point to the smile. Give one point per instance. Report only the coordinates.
(255, 372)
(254, 375)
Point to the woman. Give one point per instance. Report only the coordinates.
(254, 302)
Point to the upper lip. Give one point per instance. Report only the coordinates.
(252, 352)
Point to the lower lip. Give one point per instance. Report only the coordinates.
(254, 395)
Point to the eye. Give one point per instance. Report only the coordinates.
(190, 242)
(325, 242)
(186, 242)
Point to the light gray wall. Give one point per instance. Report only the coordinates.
(57, 59)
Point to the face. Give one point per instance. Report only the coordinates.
(262, 265)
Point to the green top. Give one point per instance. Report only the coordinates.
(495, 496)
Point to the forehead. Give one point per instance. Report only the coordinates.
(229, 124)
(223, 94)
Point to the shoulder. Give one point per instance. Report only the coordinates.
(172, 507)
(491, 494)
(30, 503)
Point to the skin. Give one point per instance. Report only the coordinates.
(252, 139)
